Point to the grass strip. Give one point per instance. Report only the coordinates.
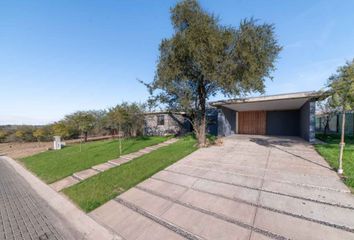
(52, 166)
(105, 186)
(330, 151)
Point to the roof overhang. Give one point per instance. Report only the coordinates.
(164, 112)
(289, 101)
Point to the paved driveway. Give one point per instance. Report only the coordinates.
(252, 187)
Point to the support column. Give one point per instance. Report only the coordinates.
(236, 126)
(312, 125)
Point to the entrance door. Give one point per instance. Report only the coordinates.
(252, 122)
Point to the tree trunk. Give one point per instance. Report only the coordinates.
(202, 115)
(120, 141)
(85, 136)
(326, 127)
(341, 144)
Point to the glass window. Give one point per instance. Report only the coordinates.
(161, 120)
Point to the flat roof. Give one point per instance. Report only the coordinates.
(164, 112)
(285, 101)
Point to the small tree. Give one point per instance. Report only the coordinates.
(204, 58)
(61, 129)
(3, 135)
(342, 89)
(39, 134)
(117, 117)
(20, 135)
(83, 121)
(327, 112)
(134, 118)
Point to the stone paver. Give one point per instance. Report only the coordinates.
(64, 183)
(23, 214)
(251, 187)
(103, 167)
(82, 175)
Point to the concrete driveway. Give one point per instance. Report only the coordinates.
(252, 187)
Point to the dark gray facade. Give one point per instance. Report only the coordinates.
(308, 121)
(283, 123)
(226, 123)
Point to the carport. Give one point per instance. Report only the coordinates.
(291, 114)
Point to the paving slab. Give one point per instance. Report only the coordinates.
(322, 195)
(225, 207)
(294, 228)
(146, 201)
(119, 218)
(171, 190)
(64, 183)
(218, 176)
(309, 209)
(145, 150)
(175, 178)
(258, 236)
(118, 161)
(82, 175)
(158, 232)
(128, 156)
(204, 225)
(317, 181)
(227, 190)
(103, 167)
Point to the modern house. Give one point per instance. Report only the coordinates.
(291, 114)
(166, 123)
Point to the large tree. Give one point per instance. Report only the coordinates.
(204, 58)
(342, 89)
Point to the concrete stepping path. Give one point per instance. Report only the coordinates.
(94, 170)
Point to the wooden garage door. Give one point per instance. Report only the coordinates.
(252, 122)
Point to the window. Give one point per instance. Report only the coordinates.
(161, 120)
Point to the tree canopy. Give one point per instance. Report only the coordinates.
(83, 121)
(127, 117)
(204, 58)
(342, 87)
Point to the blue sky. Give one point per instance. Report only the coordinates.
(57, 57)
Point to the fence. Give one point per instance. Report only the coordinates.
(335, 124)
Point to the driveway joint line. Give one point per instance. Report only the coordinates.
(176, 229)
(270, 179)
(235, 199)
(260, 191)
(263, 190)
(213, 214)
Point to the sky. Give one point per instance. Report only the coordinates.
(57, 57)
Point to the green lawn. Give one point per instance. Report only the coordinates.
(330, 152)
(51, 166)
(99, 189)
